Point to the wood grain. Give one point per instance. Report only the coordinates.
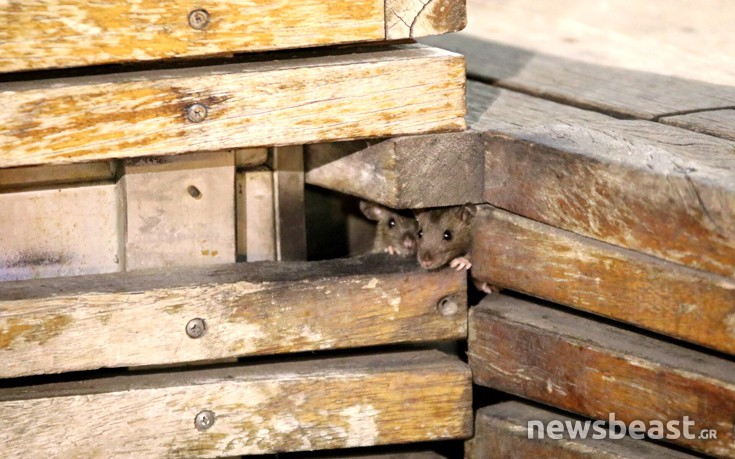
(139, 318)
(53, 232)
(389, 90)
(430, 170)
(502, 430)
(720, 123)
(416, 18)
(656, 189)
(582, 366)
(169, 223)
(309, 405)
(530, 257)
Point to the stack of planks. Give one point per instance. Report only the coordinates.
(144, 149)
(607, 212)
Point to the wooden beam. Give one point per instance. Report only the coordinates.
(18, 178)
(140, 318)
(503, 430)
(546, 262)
(382, 91)
(720, 123)
(655, 189)
(593, 369)
(415, 18)
(288, 188)
(430, 170)
(256, 409)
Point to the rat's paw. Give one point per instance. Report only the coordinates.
(487, 288)
(391, 250)
(460, 263)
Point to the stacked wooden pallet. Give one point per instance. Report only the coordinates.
(144, 149)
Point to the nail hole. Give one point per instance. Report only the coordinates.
(194, 192)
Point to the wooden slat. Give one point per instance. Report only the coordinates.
(502, 431)
(389, 90)
(624, 93)
(44, 176)
(288, 188)
(656, 189)
(256, 228)
(720, 123)
(258, 409)
(523, 255)
(416, 18)
(59, 232)
(131, 319)
(179, 210)
(593, 369)
(430, 170)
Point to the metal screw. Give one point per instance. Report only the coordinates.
(196, 113)
(447, 306)
(195, 328)
(199, 19)
(194, 192)
(204, 420)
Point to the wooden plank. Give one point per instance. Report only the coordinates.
(593, 369)
(179, 210)
(521, 254)
(288, 188)
(59, 232)
(621, 92)
(256, 230)
(415, 18)
(257, 409)
(720, 123)
(503, 430)
(43, 176)
(381, 91)
(246, 158)
(656, 189)
(139, 318)
(406, 172)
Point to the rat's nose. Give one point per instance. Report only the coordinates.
(408, 242)
(426, 260)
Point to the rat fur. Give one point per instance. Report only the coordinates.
(395, 232)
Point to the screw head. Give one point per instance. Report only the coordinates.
(195, 328)
(196, 113)
(199, 19)
(447, 306)
(204, 420)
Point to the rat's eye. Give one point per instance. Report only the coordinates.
(420, 234)
(447, 235)
(391, 223)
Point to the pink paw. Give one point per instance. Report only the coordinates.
(391, 250)
(460, 263)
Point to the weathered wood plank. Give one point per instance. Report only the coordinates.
(593, 369)
(430, 170)
(44, 176)
(656, 189)
(179, 210)
(140, 318)
(288, 187)
(720, 123)
(59, 232)
(313, 404)
(503, 430)
(527, 256)
(390, 90)
(622, 92)
(416, 18)
(256, 227)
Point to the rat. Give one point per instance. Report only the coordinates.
(445, 237)
(395, 232)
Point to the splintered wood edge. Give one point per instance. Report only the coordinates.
(359, 401)
(416, 18)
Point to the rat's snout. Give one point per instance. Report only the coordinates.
(426, 260)
(409, 242)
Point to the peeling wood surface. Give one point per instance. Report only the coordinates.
(593, 369)
(720, 123)
(624, 93)
(406, 172)
(259, 409)
(502, 430)
(256, 226)
(542, 261)
(59, 232)
(656, 189)
(139, 318)
(391, 90)
(416, 18)
(179, 210)
(44, 176)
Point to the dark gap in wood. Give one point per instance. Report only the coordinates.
(71, 183)
(689, 112)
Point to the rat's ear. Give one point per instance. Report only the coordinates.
(468, 212)
(371, 210)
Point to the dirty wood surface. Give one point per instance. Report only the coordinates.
(720, 123)
(406, 172)
(523, 255)
(258, 409)
(390, 90)
(593, 369)
(660, 190)
(502, 431)
(140, 318)
(417, 18)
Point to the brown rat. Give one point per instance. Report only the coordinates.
(395, 232)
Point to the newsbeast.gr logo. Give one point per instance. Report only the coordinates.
(615, 430)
